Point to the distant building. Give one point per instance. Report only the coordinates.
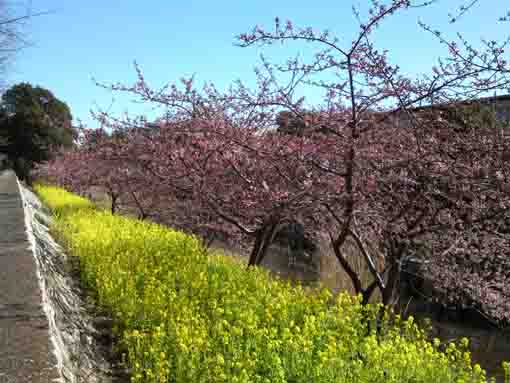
(501, 106)
(313, 122)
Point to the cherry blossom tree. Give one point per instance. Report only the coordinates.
(389, 161)
(369, 165)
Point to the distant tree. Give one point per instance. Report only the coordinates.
(13, 18)
(10, 38)
(33, 122)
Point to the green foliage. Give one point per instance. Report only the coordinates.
(185, 316)
(32, 123)
(506, 369)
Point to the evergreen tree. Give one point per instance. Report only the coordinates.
(33, 123)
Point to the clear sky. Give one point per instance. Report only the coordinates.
(82, 40)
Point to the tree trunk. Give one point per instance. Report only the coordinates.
(114, 198)
(354, 277)
(366, 294)
(390, 293)
(263, 240)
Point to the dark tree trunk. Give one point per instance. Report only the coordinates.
(142, 215)
(367, 293)
(114, 198)
(264, 237)
(390, 293)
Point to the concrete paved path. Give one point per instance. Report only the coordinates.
(25, 348)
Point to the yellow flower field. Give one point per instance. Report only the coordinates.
(185, 316)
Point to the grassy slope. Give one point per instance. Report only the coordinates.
(184, 316)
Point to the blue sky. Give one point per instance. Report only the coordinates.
(82, 40)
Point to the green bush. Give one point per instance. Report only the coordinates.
(184, 316)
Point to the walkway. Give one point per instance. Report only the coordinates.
(25, 348)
